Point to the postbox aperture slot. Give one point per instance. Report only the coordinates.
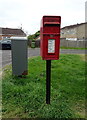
(52, 25)
(51, 28)
(51, 45)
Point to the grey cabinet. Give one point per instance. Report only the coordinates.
(19, 56)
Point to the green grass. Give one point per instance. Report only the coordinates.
(25, 97)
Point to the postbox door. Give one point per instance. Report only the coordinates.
(51, 47)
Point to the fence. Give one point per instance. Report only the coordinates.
(37, 43)
(65, 43)
(75, 44)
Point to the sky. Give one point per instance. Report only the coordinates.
(28, 13)
(86, 11)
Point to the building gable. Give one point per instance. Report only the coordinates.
(10, 31)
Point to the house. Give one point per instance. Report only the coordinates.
(75, 32)
(9, 32)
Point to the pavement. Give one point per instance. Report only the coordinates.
(5, 55)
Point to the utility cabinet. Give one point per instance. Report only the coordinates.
(19, 56)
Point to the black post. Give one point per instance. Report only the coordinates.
(48, 80)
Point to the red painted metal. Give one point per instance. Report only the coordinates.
(50, 37)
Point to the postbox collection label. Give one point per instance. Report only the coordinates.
(51, 46)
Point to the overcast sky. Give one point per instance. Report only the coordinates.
(28, 13)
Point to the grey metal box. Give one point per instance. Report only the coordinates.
(19, 56)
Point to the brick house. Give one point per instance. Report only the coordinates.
(75, 32)
(9, 32)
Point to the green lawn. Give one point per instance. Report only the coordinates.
(25, 97)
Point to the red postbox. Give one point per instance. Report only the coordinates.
(50, 37)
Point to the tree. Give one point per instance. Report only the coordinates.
(34, 36)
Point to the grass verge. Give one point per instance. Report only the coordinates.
(25, 97)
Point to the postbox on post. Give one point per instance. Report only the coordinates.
(49, 45)
(50, 37)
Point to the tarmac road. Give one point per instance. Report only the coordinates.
(5, 55)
